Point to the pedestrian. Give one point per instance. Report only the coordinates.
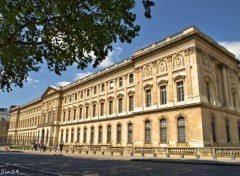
(61, 147)
(35, 147)
(55, 147)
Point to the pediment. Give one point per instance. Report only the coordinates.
(49, 90)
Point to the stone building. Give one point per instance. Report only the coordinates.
(4, 124)
(182, 91)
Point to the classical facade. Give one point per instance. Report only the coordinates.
(4, 125)
(182, 91)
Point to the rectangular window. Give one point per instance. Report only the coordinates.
(163, 130)
(102, 87)
(81, 95)
(88, 92)
(239, 131)
(85, 135)
(80, 113)
(120, 105)
(69, 115)
(70, 98)
(92, 136)
(75, 96)
(78, 135)
(131, 79)
(180, 91)
(228, 131)
(109, 134)
(64, 116)
(94, 110)
(110, 108)
(87, 108)
(208, 91)
(163, 94)
(95, 90)
(234, 100)
(120, 83)
(111, 85)
(74, 114)
(72, 135)
(213, 131)
(119, 134)
(148, 98)
(100, 135)
(101, 109)
(131, 103)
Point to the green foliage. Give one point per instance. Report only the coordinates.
(61, 33)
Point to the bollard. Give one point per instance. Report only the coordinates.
(214, 156)
(197, 156)
(182, 155)
(72, 151)
(167, 155)
(142, 154)
(154, 154)
(111, 153)
(233, 157)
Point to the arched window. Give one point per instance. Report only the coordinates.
(163, 130)
(208, 91)
(181, 129)
(92, 135)
(130, 133)
(213, 130)
(100, 134)
(147, 131)
(228, 131)
(109, 134)
(119, 133)
(72, 135)
(66, 137)
(85, 135)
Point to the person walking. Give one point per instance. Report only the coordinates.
(61, 147)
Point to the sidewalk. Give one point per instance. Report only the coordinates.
(137, 158)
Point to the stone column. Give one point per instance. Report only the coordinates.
(155, 85)
(225, 85)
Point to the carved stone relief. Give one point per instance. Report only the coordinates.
(178, 61)
(162, 66)
(206, 62)
(148, 71)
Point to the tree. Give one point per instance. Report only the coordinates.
(61, 33)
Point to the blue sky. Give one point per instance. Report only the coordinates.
(220, 19)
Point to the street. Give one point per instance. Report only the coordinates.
(36, 164)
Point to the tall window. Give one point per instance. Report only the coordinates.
(95, 90)
(102, 87)
(130, 133)
(180, 91)
(234, 99)
(131, 102)
(120, 82)
(228, 131)
(88, 92)
(92, 135)
(64, 116)
(163, 130)
(108, 134)
(87, 109)
(100, 134)
(75, 96)
(181, 129)
(119, 133)
(85, 135)
(148, 98)
(213, 130)
(120, 105)
(111, 85)
(61, 139)
(110, 108)
(81, 94)
(239, 131)
(163, 94)
(102, 109)
(74, 114)
(69, 115)
(94, 110)
(70, 98)
(80, 112)
(72, 135)
(66, 137)
(78, 134)
(208, 91)
(131, 79)
(147, 131)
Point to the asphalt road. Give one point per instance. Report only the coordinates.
(33, 164)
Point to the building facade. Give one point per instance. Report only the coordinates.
(182, 91)
(4, 125)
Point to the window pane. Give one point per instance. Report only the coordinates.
(130, 133)
(163, 130)
(147, 132)
(181, 130)
(180, 91)
(163, 94)
(119, 131)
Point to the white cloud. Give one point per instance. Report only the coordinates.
(63, 83)
(81, 75)
(232, 46)
(31, 80)
(111, 58)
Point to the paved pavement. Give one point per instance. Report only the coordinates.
(37, 163)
